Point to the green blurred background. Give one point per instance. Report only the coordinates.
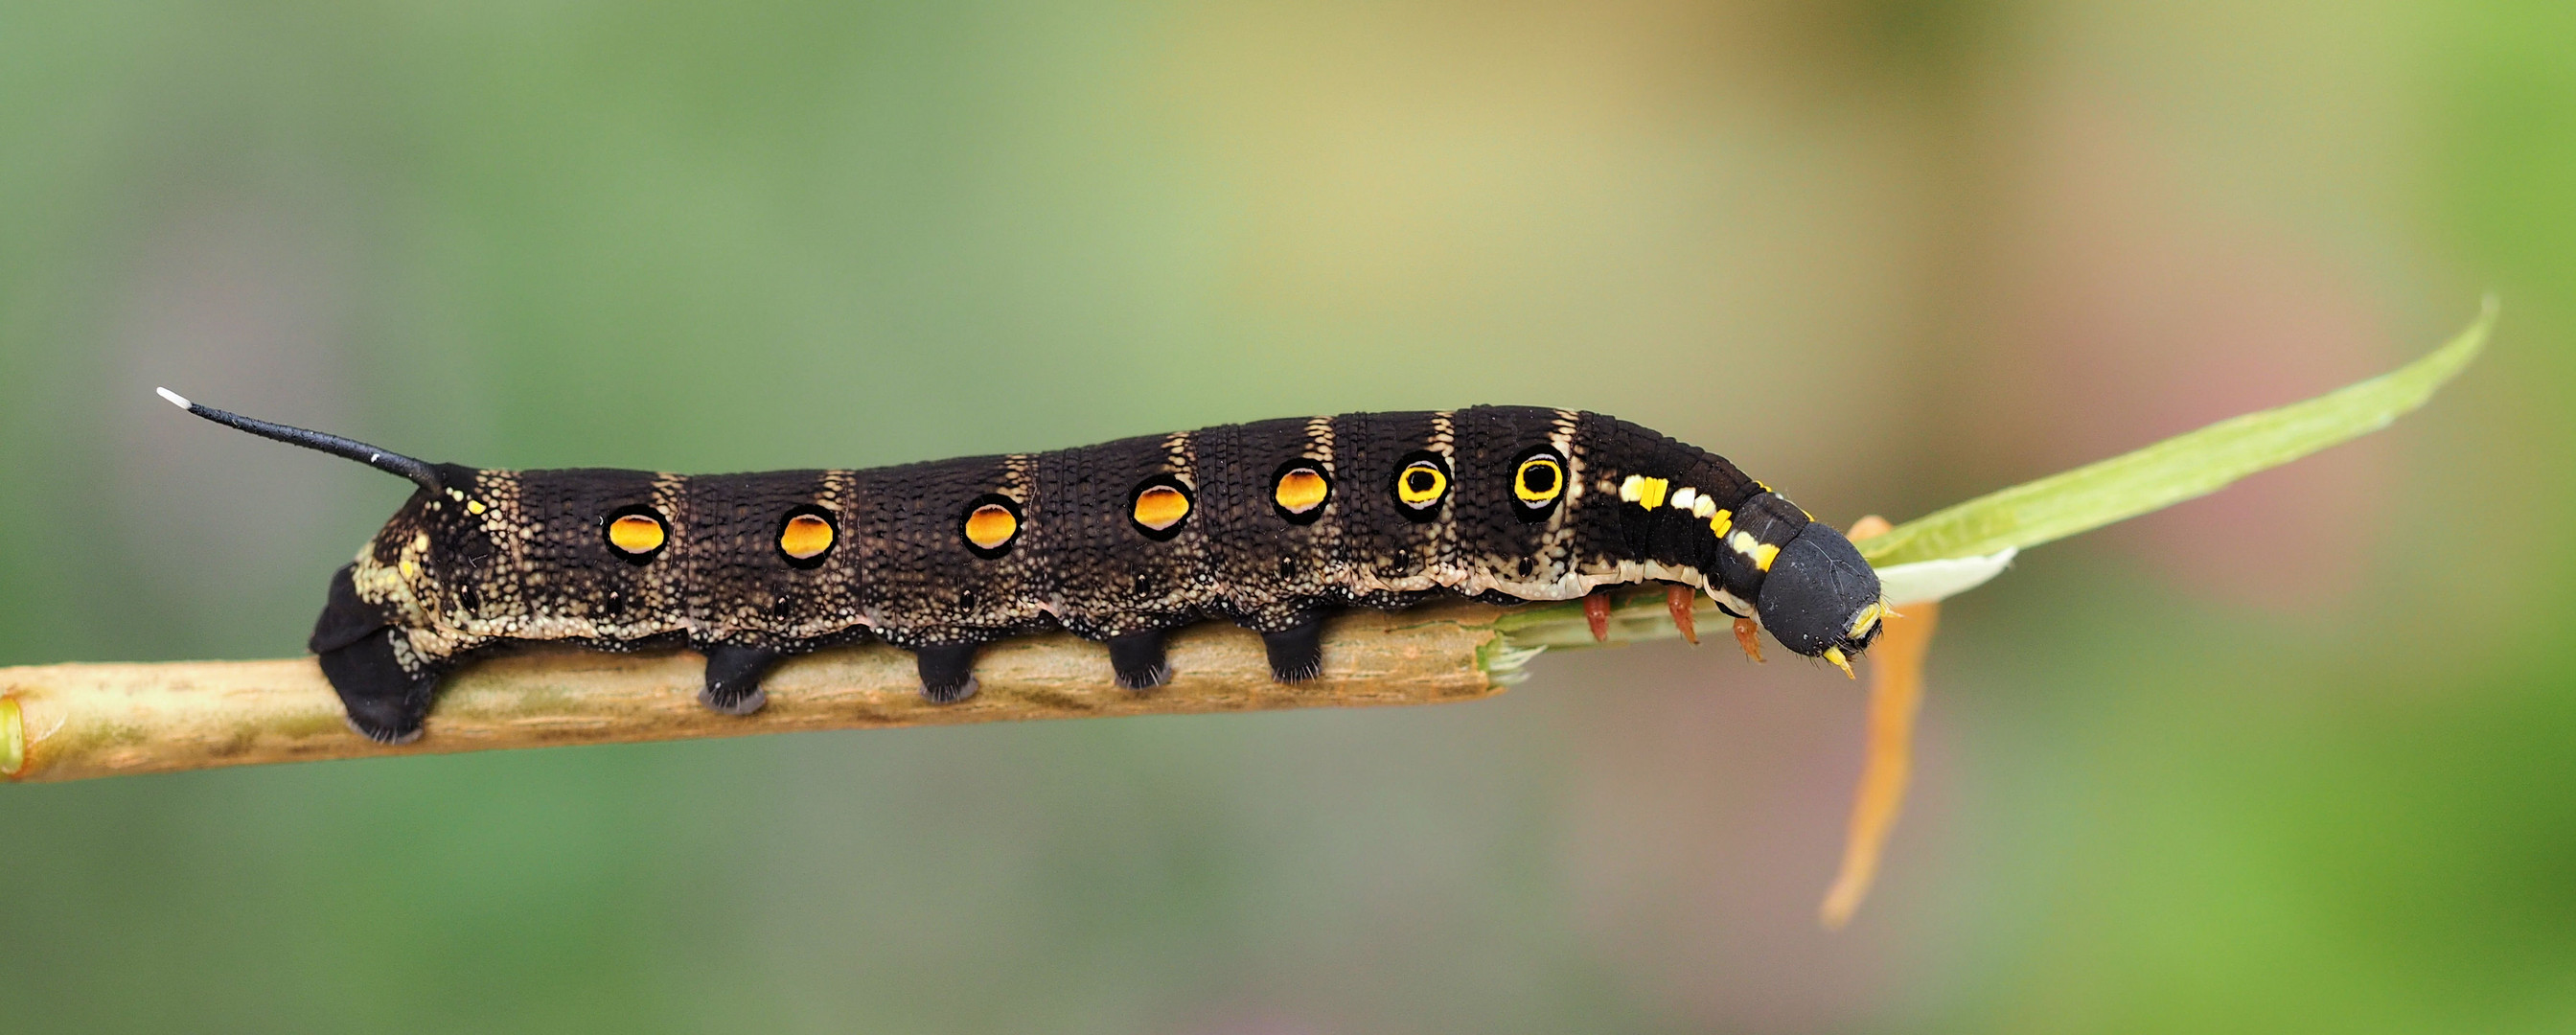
(2301, 756)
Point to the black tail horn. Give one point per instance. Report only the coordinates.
(421, 474)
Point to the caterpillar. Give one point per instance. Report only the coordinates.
(1271, 525)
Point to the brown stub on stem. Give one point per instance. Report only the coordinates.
(1596, 613)
(1679, 600)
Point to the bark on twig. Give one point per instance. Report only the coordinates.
(69, 722)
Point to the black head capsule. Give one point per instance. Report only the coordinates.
(1820, 598)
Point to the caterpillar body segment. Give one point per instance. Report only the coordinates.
(1271, 525)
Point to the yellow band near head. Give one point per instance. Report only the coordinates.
(1650, 492)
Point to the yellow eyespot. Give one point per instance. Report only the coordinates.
(637, 534)
(991, 527)
(805, 537)
(1160, 507)
(1300, 489)
(1540, 480)
(1421, 484)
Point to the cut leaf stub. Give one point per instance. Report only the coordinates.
(1928, 581)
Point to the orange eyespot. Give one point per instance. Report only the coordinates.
(1301, 490)
(990, 528)
(637, 535)
(1160, 507)
(805, 537)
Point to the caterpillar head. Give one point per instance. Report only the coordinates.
(1821, 599)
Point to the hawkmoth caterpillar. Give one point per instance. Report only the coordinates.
(1271, 525)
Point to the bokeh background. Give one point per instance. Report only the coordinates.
(2298, 757)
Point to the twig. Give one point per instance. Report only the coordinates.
(69, 722)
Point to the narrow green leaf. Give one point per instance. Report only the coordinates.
(2176, 469)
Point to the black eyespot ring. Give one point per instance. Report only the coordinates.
(1421, 486)
(990, 525)
(635, 534)
(1539, 480)
(1301, 501)
(794, 534)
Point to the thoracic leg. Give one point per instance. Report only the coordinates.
(1137, 658)
(1748, 636)
(1297, 652)
(733, 677)
(1680, 600)
(947, 673)
(384, 702)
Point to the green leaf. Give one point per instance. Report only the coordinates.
(2179, 468)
